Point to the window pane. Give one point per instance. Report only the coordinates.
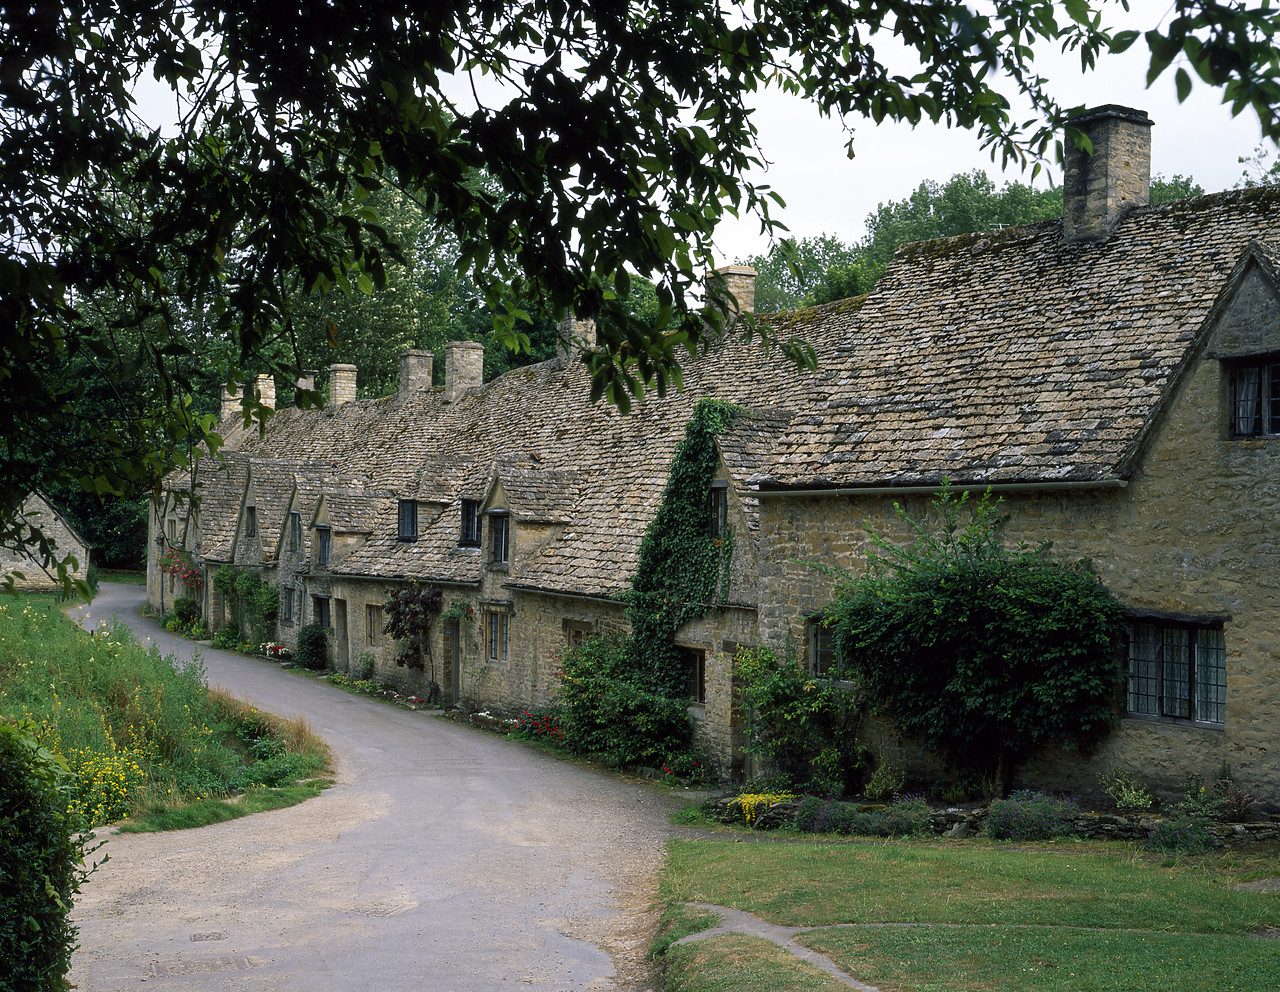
(1273, 406)
(1176, 672)
(1211, 676)
(1143, 643)
(824, 655)
(1246, 408)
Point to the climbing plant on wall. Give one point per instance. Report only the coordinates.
(411, 611)
(683, 570)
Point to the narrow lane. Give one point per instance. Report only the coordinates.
(443, 859)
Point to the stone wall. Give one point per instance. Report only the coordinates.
(39, 513)
(1195, 532)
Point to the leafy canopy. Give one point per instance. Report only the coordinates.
(978, 651)
(615, 136)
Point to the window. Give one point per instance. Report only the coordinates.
(1177, 672)
(295, 530)
(251, 521)
(322, 546)
(1255, 398)
(286, 604)
(470, 537)
(696, 666)
(320, 611)
(499, 628)
(373, 625)
(408, 527)
(171, 529)
(824, 658)
(500, 530)
(575, 632)
(719, 508)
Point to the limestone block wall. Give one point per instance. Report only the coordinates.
(1195, 532)
(718, 721)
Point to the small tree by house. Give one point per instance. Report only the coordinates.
(980, 652)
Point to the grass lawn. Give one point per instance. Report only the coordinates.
(986, 916)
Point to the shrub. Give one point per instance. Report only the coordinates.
(313, 647)
(805, 726)
(1031, 815)
(606, 714)
(817, 815)
(1179, 835)
(542, 725)
(41, 864)
(906, 817)
(184, 608)
(884, 783)
(1125, 791)
(225, 638)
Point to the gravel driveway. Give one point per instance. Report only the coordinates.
(443, 859)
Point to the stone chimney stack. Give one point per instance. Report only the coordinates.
(740, 282)
(573, 337)
(266, 390)
(307, 381)
(342, 384)
(1099, 189)
(230, 401)
(416, 368)
(463, 367)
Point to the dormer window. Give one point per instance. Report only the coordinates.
(295, 530)
(322, 546)
(408, 520)
(470, 536)
(1255, 398)
(718, 505)
(500, 538)
(250, 521)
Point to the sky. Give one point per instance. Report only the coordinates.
(826, 192)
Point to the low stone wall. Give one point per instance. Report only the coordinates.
(969, 822)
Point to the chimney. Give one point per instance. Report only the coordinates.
(342, 384)
(573, 337)
(1099, 189)
(307, 381)
(266, 390)
(463, 367)
(740, 282)
(416, 368)
(230, 401)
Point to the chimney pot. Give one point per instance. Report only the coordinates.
(342, 384)
(1098, 190)
(416, 368)
(463, 367)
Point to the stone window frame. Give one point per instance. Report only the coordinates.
(498, 635)
(322, 610)
(469, 536)
(295, 530)
(576, 631)
(373, 625)
(499, 538)
(1254, 395)
(324, 545)
(695, 660)
(407, 520)
(1176, 670)
(286, 604)
(825, 661)
(171, 530)
(250, 520)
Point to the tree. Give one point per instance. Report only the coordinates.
(616, 136)
(980, 652)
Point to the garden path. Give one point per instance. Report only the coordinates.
(442, 859)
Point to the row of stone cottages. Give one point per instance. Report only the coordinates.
(1114, 375)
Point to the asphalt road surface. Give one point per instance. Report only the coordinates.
(443, 859)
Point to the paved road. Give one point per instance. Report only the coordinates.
(444, 859)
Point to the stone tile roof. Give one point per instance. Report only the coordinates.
(221, 488)
(1010, 357)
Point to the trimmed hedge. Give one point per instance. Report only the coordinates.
(41, 865)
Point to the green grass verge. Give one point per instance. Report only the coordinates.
(203, 812)
(820, 884)
(680, 921)
(1049, 959)
(984, 917)
(122, 577)
(736, 963)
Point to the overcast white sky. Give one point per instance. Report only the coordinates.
(828, 193)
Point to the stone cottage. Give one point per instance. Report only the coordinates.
(64, 540)
(1114, 376)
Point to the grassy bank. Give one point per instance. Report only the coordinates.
(143, 734)
(962, 917)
